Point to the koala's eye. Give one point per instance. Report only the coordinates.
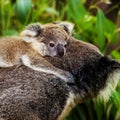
(65, 45)
(51, 44)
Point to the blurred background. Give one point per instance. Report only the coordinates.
(96, 21)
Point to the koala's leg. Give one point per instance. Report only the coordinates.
(38, 63)
(4, 63)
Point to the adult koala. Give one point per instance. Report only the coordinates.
(29, 95)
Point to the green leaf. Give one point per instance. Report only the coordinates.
(76, 10)
(23, 10)
(116, 54)
(51, 10)
(110, 31)
(105, 30)
(100, 28)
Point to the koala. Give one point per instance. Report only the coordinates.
(49, 36)
(96, 75)
(35, 43)
(41, 96)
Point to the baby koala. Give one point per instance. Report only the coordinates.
(35, 42)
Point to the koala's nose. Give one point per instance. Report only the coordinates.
(60, 50)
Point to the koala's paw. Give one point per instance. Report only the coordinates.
(69, 78)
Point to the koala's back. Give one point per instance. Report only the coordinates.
(11, 48)
(29, 95)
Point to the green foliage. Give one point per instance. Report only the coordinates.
(105, 29)
(23, 10)
(15, 14)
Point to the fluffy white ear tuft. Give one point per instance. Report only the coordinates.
(68, 25)
(28, 35)
(31, 31)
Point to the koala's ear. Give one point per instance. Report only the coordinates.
(107, 63)
(68, 26)
(31, 31)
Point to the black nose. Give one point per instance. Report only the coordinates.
(60, 50)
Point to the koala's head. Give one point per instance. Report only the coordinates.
(49, 39)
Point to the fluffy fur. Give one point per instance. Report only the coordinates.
(31, 95)
(30, 49)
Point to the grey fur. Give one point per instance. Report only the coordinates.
(30, 95)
